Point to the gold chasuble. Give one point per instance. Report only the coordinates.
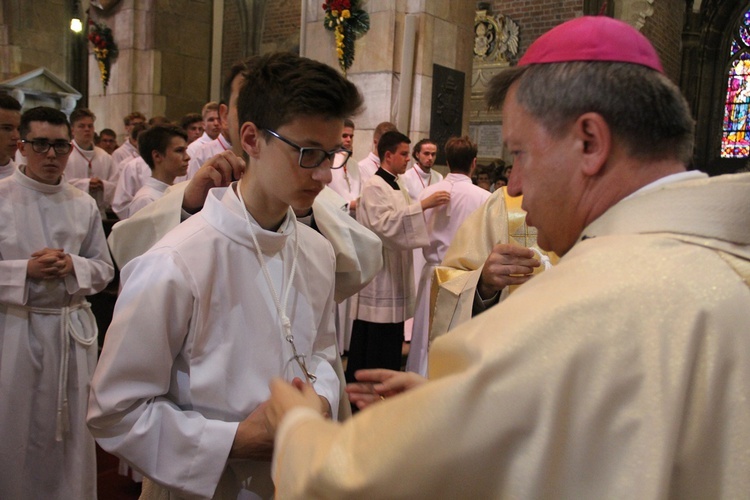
(500, 220)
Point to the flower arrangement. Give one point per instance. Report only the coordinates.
(348, 22)
(105, 48)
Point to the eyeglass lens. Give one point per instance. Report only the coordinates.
(311, 158)
(43, 145)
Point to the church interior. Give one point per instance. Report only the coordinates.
(421, 64)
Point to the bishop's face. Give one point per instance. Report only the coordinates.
(544, 171)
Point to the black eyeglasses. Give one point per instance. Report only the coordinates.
(313, 157)
(41, 146)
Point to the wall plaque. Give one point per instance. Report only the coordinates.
(447, 106)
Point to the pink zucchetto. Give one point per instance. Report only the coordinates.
(593, 38)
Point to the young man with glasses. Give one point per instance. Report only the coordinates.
(53, 254)
(237, 294)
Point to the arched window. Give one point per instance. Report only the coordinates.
(735, 137)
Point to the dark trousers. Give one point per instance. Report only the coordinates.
(374, 345)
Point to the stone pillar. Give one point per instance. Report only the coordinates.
(163, 67)
(443, 36)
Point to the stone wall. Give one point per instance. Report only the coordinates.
(281, 27)
(536, 17)
(163, 65)
(34, 34)
(664, 29)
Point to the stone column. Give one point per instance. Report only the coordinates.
(163, 67)
(443, 36)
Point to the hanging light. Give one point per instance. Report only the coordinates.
(76, 26)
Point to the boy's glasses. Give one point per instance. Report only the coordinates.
(313, 157)
(41, 146)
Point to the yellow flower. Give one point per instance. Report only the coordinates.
(345, 14)
(335, 13)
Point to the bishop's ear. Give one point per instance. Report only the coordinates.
(596, 139)
(250, 136)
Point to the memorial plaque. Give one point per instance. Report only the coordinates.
(489, 139)
(447, 106)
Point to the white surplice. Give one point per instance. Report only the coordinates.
(442, 224)
(192, 148)
(367, 167)
(195, 340)
(46, 326)
(200, 154)
(7, 169)
(82, 165)
(622, 372)
(125, 152)
(399, 223)
(152, 190)
(345, 181)
(357, 249)
(133, 174)
(417, 180)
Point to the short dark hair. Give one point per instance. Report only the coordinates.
(157, 138)
(189, 119)
(80, 114)
(42, 114)
(281, 86)
(418, 146)
(108, 131)
(460, 153)
(389, 142)
(348, 123)
(137, 129)
(9, 103)
(159, 120)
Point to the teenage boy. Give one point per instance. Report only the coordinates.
(236, 295)
(164, 150)
(90, 168)
(387, 301)
(53, 254)
(10, 117)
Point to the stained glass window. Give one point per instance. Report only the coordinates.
(735, 138)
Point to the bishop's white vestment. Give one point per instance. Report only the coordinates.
(48, 340)
(195, 340)
(622, 372)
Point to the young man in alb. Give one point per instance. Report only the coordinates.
(90, 168)
(384, 305)
(442, 224)
(163, 148)
(129, 147)
(52, 255)
(236, 295)
(10, 118)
